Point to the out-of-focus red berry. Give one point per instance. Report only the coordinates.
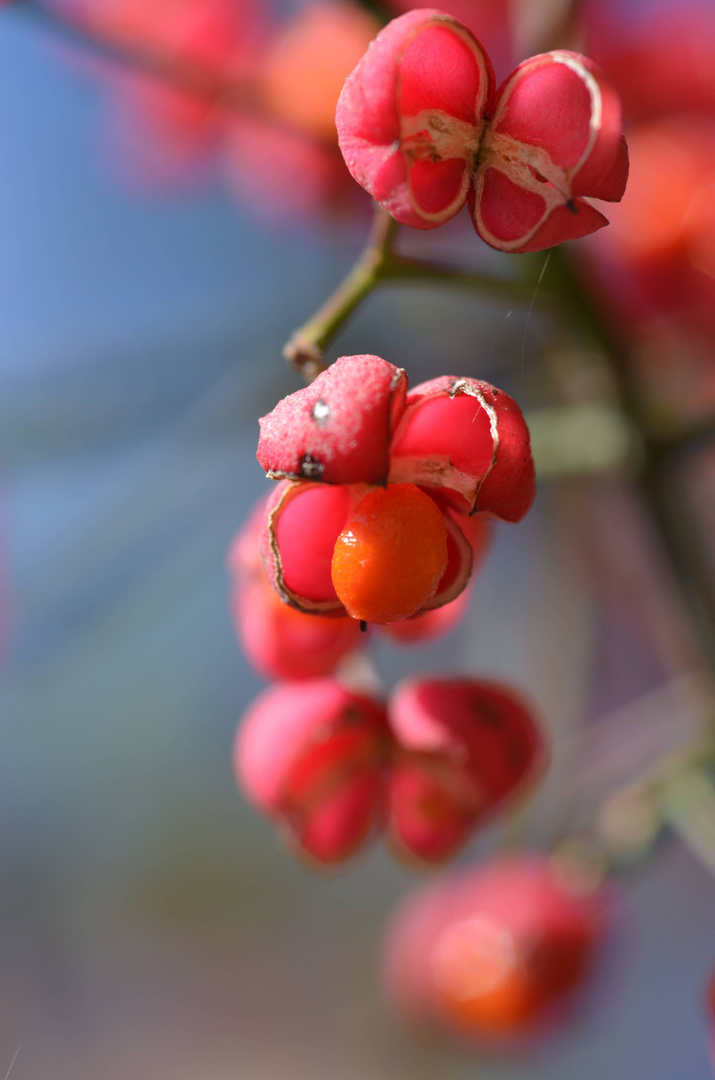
(279, 641)
(656, 260)
(310, 755)
(216, 39)
(465, 746)
(422, 128)
(306, 64)
(498, 951)
(282, 173)
(661, 58)
(283, 643)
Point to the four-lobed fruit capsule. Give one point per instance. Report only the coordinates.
(424, 129)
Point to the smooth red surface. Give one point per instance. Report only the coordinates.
(467, 745)
(309, 754)
(282, 643)
(446, 430)
(306, 530)
(498, 950)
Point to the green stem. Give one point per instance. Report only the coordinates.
(379, 265)
(304, 349)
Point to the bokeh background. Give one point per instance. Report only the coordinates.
(150, 924)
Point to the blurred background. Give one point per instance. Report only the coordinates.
(156, 251)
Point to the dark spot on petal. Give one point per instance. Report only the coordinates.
(571, 205)
(488, 715)
(311, 469)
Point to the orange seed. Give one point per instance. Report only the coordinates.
(392, 553)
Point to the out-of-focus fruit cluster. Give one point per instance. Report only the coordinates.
(655, 266)
(333, 767)
(228, 86)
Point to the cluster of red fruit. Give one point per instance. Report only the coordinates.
(497, 951)
(332, 766)
(381, 514)
(382, 503)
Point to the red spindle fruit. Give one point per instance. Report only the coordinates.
(422, 129)
(468, 439)
(310, 756)
(498, 951)
(465, 747)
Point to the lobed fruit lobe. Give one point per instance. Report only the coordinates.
(466, 746)
(469, 440)
(309, 754)
(338, 429)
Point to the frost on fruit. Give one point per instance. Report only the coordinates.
(338, 429)
(423, 130)
(465, 747)
(469, 440)
(309, 755)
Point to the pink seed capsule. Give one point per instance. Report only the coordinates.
(429, 625)
(497, 952)
(465, 746)
(282, 643)
(469, 440)
(421, 128)
(310, 756)
(555, 136)
(302, 522)
(411, 116)
(338, 429)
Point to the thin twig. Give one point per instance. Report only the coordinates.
(304, 349)
(379, 265)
